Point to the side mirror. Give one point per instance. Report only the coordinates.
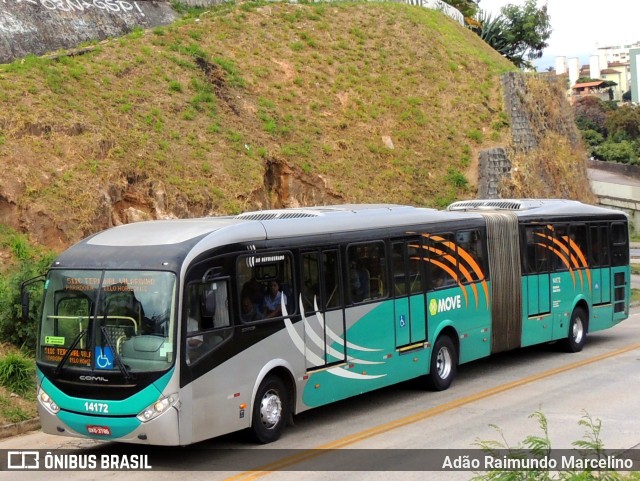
(24, 295)
(25, 304)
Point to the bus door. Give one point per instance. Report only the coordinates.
(324, 324)
(600, 265)
(208, 323)
(620, 270)
(407, 285)
(539, 245)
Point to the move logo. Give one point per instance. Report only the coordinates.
(444, 304)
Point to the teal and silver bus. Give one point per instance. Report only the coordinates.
(170, 332)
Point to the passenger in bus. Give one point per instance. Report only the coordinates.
(273, 300)
(253, 290)
(250, 311)
(360, 286)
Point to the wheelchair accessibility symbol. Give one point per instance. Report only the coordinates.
(104, 357)
(403, 321)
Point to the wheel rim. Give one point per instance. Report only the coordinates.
(577, 331)
(443, 363)
(270, 409)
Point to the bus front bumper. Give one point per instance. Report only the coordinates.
(160, 431)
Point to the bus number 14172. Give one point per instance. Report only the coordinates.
(96, 407)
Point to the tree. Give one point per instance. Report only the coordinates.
(591, 113)
(468, 8)
(493, 31)
(520, 33)
(624, 123)
(528, 29)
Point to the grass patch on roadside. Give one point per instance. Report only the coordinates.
(17, 386)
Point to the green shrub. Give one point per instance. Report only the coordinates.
(175, 86)
(30, 262)
(616, 152)
(592, 137)
(457, 178)
(17, 373)
(475, 135)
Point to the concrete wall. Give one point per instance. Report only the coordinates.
(514, 90)
(41, 26)
(622, 169)
(624, 197)
(494, 166)
(529, 121)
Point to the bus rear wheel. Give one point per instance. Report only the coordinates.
(443, 365)
(270, 410)
(577, 331)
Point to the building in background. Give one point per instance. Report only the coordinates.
(618, 72)
(612, 64)
(593, 89)
(634, 54)
(616, 53)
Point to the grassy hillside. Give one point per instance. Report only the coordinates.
(248, 106)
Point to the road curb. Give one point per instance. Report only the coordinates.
(14, 429)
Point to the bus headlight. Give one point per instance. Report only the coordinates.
(157, 408)
(47, 402)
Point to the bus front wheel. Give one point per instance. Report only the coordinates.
(577, 331)
(443, 365)
(270, 410)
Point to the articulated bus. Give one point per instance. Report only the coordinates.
(170, 332)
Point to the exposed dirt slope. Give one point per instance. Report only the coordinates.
(247, 107)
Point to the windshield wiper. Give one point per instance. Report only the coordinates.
(67, 354)
(116, 357)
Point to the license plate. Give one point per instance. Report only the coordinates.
(100, 430)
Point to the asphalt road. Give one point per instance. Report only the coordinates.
(611, 177)
(492, 399)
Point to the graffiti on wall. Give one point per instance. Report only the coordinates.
(41, 26)
(113, 6)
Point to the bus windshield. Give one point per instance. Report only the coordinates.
(108, 320)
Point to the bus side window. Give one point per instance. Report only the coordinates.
(442, 261)
(264, 281)
(415, 268)
(310, 281)
(406, 266)
(537, 258)
(619, 244)
(578, 236)
(367, 271)
(471, 255)
(320, 281)
(207, 315)
(398, 274)
(599, 256)
(560, 259)
(331, 276)
(604, 246)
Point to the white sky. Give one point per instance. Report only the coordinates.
(581, 26)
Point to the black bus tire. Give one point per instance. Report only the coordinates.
(443, 365)
(270, 410)
(577, 335)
